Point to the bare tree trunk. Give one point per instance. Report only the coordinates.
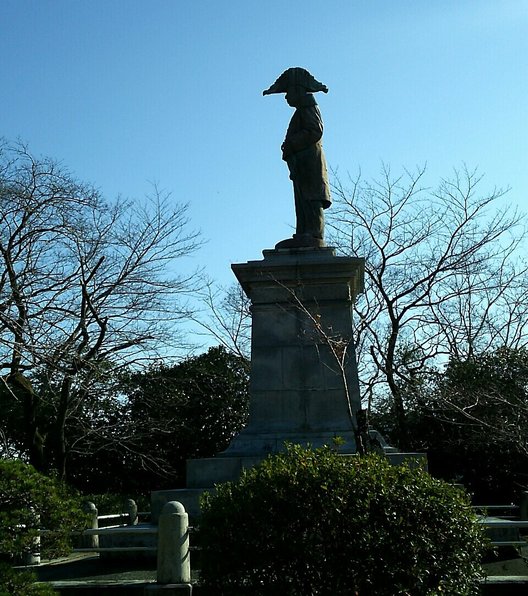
(33, 439)
(397, 398)
(60, 425)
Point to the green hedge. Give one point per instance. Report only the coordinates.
(25, 496)
(313, 522)
(21, 583)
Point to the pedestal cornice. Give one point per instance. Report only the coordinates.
(294, 268)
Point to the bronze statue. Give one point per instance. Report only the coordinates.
(303, 152)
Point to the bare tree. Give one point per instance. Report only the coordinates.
(226, 317)
(441, 274)
(83, 282)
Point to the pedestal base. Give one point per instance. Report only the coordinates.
(203, 474)
(304, 384)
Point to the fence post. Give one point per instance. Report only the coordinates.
(130, 508)
(93, 524)
(523, 506)
(32, 557)
(174, 566)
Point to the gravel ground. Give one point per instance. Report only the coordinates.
(89, 567)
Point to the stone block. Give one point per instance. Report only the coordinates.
(273, 410)
(273, 327)
(266, 369)
(335, 320)
(327, 411)
(269, 443)
(206, 472)
(203, 473)
(188, 497)
(314, 294)
(302, 368)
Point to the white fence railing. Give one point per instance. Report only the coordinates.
(511, 525)
(172, 533)
(172, 544)
(497, 518)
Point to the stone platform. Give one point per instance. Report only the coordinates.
(190, 497)
(304, 385)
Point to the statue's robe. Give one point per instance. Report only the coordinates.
(303, 152)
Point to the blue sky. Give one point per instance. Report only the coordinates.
(129, 92)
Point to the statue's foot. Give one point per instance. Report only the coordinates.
(301, 241)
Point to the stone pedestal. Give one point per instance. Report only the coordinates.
(304, 385)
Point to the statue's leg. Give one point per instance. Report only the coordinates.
(314, 219)
(309, 215)
(310, 219)
(300, 212)
(309, 229)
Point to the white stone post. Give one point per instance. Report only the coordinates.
(131, 509)
(93, 524)
(32, 557)
(174, 565)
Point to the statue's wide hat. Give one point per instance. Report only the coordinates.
(296, 76)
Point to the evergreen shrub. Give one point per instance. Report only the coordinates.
(14, 582)
(308, 522)
(29, 501)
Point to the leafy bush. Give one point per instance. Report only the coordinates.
(192, 409)
(21, 583)
(471, 418)
(311, 522)
(25, 496)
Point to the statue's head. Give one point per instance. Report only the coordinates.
(295, 94)
(295, 82)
